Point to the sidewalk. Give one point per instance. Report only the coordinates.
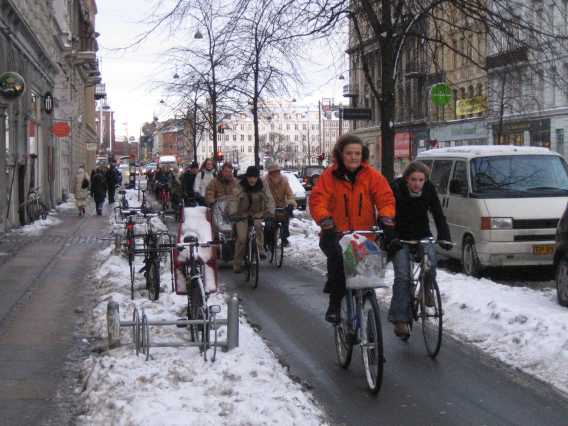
(42, 279)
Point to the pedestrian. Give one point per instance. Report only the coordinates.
(283, 199)
(349, 195)
(81, 190)
(113, 178)
(99, 189)
(204, 177)
(251, 199)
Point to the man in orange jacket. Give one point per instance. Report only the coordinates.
(349, 195)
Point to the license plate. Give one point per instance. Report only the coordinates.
(543, 249)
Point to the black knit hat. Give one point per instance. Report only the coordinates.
(252, 172)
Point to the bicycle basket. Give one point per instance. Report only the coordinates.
(220, 217)
(364, 262)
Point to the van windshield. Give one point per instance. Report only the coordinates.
(519, 176)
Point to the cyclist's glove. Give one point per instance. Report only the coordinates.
(393, 246)
(327, 224)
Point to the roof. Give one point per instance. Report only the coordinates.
(472, 151)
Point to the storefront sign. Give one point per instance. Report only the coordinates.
(402, 145)
(460, 131)
(475, 105)
(441, 94)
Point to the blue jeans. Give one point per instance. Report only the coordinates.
(400, 302)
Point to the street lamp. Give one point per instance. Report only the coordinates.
(198, 35)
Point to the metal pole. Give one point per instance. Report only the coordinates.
(233, 322)
(113, 324)
(3, 178)
(340, 120)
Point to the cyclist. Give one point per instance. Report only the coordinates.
(187, 182)
(283, 199)
(349, 195)
(221, 186)
(415, 197)
(251, 198)
(164, 179)
(203, 178)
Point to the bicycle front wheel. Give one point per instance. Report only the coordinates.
(344, 336)
(372, 343)
(254, 262)
(153, 279)
(431, 316)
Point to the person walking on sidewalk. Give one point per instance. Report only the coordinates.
(349, 195)
(81, 191)
(99, 188)
(113, 178)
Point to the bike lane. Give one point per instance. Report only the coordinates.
(462, 386)
(43, 291)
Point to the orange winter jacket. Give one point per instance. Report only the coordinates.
(353, 206)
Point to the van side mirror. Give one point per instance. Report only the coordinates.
(458, 186)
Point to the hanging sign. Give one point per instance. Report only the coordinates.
(441, 94)
(48, 103)
(61, 129)
(12, 85)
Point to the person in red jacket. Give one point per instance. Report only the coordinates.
(349, 195)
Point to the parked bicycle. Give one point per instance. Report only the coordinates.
(164, 195)
(151, 266)
(426, 303)
(194, 272)
(34, 207)
(123, 199)
(361, 325)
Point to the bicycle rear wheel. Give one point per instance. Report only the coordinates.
(254, 262)
(153, 278)
(372, 343)
(343, 336)
(431, 316)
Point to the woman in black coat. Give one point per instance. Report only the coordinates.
(99, 189)
(415, 197)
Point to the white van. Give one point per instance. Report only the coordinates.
(502, 203)
(166, 162)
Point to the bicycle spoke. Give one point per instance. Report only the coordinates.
(431, 317)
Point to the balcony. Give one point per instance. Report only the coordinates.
(350, 91)
(508, 57)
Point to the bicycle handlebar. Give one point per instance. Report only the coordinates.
(429, 240)
(182, 246)
(374, 231)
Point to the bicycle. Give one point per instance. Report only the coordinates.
(197, 308)
(252, 257)
(276, 246)
(151, 266)
(361, 325)
(164, 194)
(123, 199)
(34, 207)
(421, 280)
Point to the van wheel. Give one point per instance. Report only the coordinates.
(561, 277)
(470, 261)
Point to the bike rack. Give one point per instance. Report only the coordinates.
(140, 325)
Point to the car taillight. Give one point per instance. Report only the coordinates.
(485, 223)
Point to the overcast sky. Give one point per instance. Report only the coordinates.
(131, 75)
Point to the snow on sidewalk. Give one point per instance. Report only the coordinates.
(246, 386)
(525, 328)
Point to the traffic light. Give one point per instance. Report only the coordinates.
(220, 156)
(221, 128)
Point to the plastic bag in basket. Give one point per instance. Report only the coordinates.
(363, 262)
(220, 217)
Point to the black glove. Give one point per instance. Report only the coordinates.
(446, 245)
(393, 246)
(290, 210)
(327, 224)
(389, 234)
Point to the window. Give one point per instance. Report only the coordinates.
(441, 175)
(287, 126)
(250, 149)
(249, 138)
(242, 148)
(234, 138)
(296, 138)
(458, 184)
(242, 138)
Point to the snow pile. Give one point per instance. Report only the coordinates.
(68, 205)
(37, 227)
(522, 327)
(176, 386)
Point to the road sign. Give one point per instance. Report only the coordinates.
(357, 113)
(61, 129)
(441, 94)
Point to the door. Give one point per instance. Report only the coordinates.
(440, 178)
(459, 209)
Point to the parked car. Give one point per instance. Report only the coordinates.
(297, 189)
(561, 259)
(502, 203)
(309, 175)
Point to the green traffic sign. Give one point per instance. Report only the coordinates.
(441, 94)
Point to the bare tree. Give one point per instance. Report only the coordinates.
(380, 30)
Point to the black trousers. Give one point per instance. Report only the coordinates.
(335, 285)
(111, 195)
